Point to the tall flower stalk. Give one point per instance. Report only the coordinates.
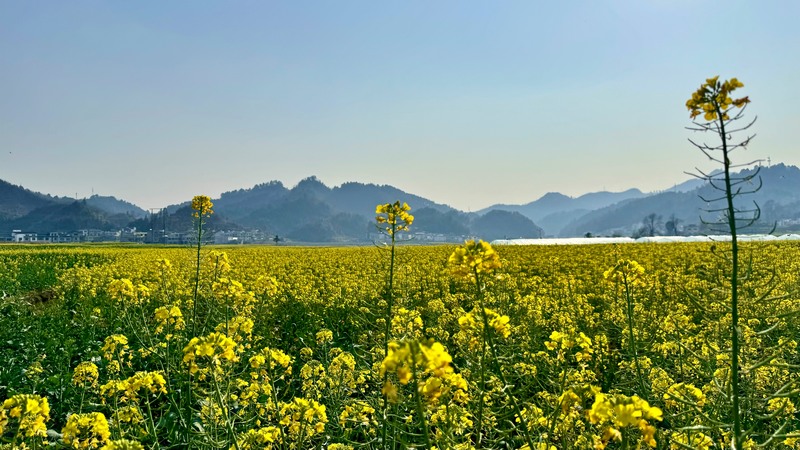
(714, 102)
(629, 273)
(202, 207)
(391, 219)
(472, 261)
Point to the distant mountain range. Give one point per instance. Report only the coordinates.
(554, 211)
(314, 212)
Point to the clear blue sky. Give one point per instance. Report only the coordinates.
(467, 103)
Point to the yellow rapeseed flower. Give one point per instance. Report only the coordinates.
(84, 431)
(324, 336)
(170, 317)
(395, 216)
(31, 412)
(202, 206)
(627, 272)
(85, 375)
(303, 417)
(261, 438)
(122, 444)
(613, 412)
(130, 388)
(471, 258)
(215, 348)
(425, 360)
(713, 99)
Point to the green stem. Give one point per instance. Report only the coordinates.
(554, 414)
(388, 330)
(737, 425)
(151, 423)
(482, 372)
(632, 348)
(226, 412)
(420, 410)
(197, 272)
(489, 339)
(188, 408)
(194, 320)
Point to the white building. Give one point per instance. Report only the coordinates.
(21, 236)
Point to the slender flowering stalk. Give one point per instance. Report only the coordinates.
(714, 101)
(629, 273)
(471, 261)
(201, 205)
(391, 219)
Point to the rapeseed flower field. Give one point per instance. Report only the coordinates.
(402, 346)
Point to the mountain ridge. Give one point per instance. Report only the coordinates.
(312, 211)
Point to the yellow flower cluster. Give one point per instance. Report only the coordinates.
(342, 372)
(781, 407)
(214, 348)
(713, 99)
(259, 439)
(626, 272)
(116, 352)
(407, 357)
(265, 285)
(315, 379)
(454, 417)
(427, 361)
(684, 394)
(324, 336)
(235, 295)
(406, 323)
(268, 359)
(303, 418)
(472, 324)
(123, 291)
(688, 439)
(85, 375)
(129, 414)
(357, 413)
(122, 444)
(202, 206)
(169, 317)
(255, 394)
(566, 341)
(619, 411)
(163, 265)
(130, 388)
(339, 446)
(29, 411)
(84, 431)
(219, 264)
(239, 328)
(395, 216)
(473, 258)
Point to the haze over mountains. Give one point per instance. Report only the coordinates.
(314, 212)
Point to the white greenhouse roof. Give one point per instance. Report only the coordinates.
(656, 239)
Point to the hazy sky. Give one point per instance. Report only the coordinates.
(466, 103)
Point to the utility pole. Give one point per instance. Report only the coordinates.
(164, 215)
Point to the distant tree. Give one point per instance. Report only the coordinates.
(651, 224)
(671, 225)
